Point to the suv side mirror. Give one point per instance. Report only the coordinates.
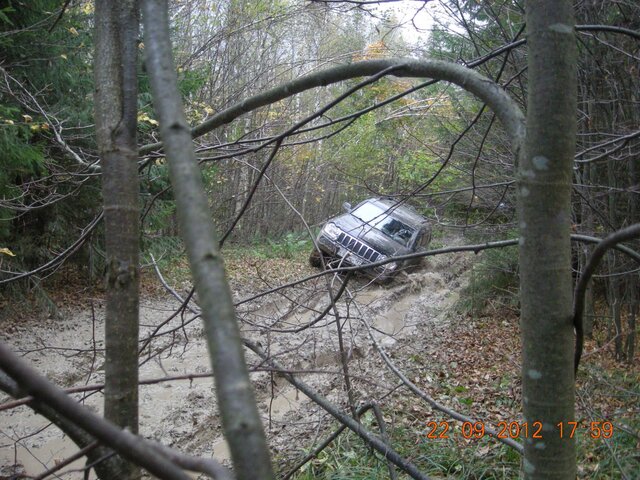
(346, 206)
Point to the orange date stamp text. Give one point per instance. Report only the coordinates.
(514, 430)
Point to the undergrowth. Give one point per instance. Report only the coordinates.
(487, 351)
(493, 283)
(288, 246)
(348, 457)
(249, 266)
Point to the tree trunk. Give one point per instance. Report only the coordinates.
(240, 418)
(544, 198)
(116, 35)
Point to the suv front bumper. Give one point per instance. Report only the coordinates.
(349, 251)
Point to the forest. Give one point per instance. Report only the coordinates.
(170, 169)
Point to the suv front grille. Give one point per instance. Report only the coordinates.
(358, 247)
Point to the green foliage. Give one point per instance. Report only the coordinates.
(22, 158)
(45, 74)
(55, 64)
(166, 249)
(348, 457)
(446, 43)
(159, 234)
(287, 246)
(4, 18)
(191, 81)
(418, 167)
(493, 282)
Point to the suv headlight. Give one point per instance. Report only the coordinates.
(331, 230)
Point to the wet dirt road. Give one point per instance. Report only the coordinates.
(182, 412)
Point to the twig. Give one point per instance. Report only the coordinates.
(79, 454)
(100, 386)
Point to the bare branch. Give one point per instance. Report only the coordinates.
(506, 109)
(128, 445)
(611, 241)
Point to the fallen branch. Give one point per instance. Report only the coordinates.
(132, 447)
(435, 405)
(376, 443)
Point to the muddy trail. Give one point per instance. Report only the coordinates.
(177, 398)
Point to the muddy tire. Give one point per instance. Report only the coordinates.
(315, 259)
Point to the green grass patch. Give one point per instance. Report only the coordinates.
(349, 458)
(608, 393)
(286, 247)
(273, 258)
(493, 283)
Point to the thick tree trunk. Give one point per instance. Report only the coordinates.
(116, 35)
(545, 174)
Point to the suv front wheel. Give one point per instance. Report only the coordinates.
(315, 259)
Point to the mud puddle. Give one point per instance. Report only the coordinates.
(182, 413)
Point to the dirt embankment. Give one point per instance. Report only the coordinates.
(182, 413)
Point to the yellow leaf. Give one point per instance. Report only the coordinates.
(87, 8)
(73, 31)
(143, 117)
(27, 118)
(208, 110)
(63, 56)
(44, 126)
(141, 45)
(6, 251)
(35, 128)
(10, 122)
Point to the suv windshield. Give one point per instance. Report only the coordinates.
(378, 217)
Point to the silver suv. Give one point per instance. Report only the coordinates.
(374, 230)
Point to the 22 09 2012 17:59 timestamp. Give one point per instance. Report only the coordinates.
(477, 430)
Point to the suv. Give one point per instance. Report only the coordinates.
(371, 232)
